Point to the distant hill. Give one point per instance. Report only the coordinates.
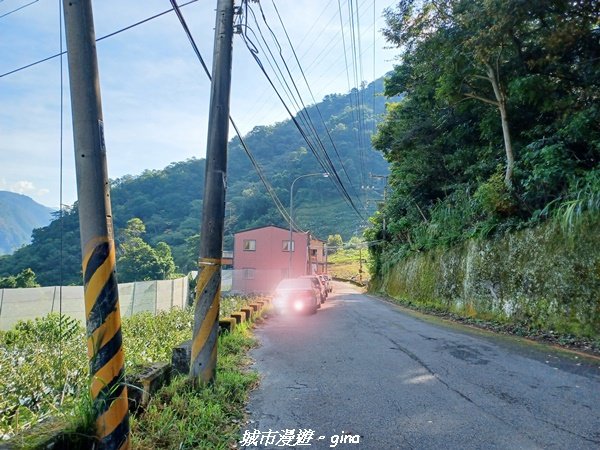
(20, 215)
(169, 201)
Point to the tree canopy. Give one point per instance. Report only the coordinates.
(499, 123)
(24, 279)
(138, 261)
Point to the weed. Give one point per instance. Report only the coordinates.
(181, 416)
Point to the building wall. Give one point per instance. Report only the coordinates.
(317, 260)
(260, 269)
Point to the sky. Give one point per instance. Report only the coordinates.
(155, 94)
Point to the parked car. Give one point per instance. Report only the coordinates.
(318, 285)
(326, 281)
(296, 295)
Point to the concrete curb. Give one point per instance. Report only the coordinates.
(180, 358)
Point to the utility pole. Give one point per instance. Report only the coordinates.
(385, 178)
(203, 364)
(360, 264)
(103, 318)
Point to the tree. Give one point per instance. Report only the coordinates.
(503, 52)
(474, 39)
(334, 241)
(24, 279)
(464, 65)
(138, 261)
(165, 260)
(135, 229)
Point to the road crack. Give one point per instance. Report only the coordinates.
(418, 360)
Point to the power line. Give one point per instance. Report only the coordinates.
(252, 48)
(344, 45)
(97, 40)
(313, 97)
(327, 164)
(302, 112)
(19, 8)
(261, 176)
(60, 190)
(374, 39)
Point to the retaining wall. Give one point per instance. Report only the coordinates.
(545, 277)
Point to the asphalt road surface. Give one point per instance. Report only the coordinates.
(365, 374)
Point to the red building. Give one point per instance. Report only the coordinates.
(262, 257)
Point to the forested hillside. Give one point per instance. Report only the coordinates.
(20, 215)
(499, 126)
(168, 201)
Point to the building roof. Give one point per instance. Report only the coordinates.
(266, 226)
(281, 228)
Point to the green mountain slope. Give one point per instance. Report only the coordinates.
(20, 215)
(169, 201)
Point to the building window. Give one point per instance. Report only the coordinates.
(249, 245)
(286, 246)
(313, 252)
(249, 274)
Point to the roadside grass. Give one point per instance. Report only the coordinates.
(180, 416)
(503, 326)
(44, 374)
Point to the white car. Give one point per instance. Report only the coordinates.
(296, 295)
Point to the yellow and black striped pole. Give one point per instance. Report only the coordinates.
(103, 319)
(208, 290)
(206, 321)
(104, 343)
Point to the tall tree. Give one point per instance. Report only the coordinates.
(138, 261)
(474, 41)
(465, 64)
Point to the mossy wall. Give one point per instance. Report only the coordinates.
(544, 277)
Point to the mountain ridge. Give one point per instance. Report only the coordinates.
(20, 216)
(169, 201)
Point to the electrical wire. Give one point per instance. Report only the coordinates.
(294, 119)
(325, 162)
(255, 164)
(361, 244)
(19, 8)
(344, 45)
(302, 112)
(374, 39)
(312, 96)
(355, 70)
(121, 30)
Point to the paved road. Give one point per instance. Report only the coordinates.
(382, 379)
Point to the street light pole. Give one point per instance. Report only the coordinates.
(291, 243)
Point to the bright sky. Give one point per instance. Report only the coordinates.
(155, 95)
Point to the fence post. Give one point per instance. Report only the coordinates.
(53, 300)
(172, 293)
(1, 302)
(156, 297)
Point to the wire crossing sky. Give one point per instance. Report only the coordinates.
(155, 96)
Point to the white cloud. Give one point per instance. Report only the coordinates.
(24, 187)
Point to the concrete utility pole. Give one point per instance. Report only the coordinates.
(103, 318)
(208, 290)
